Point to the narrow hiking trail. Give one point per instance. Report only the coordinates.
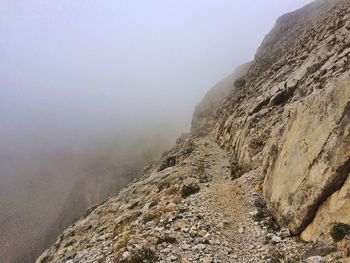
(240, 212)
(233, 214)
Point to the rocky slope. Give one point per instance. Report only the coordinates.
(267, 162)
(191, 211)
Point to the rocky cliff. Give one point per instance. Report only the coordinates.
(290, 118)
(268, 161)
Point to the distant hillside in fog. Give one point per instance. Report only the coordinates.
(43, 193)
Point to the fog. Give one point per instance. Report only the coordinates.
(89, 84)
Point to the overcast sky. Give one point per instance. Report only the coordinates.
(81, 69)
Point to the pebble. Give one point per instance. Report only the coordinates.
(276, 239)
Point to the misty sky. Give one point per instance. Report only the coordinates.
(74, 70)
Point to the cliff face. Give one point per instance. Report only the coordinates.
(283, 123)
(290, 118)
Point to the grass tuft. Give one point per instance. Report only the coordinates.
(339, 231)
(188, 190)
(235, 171)
(167, 239)
(143, 255)
(149, 217)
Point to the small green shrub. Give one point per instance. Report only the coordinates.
(182, 209)
(275, 260)
(261, 215)
(240, 83)
(277, 257)
(142, 255)
(339, 231)
(200, 171)
(70, 243)
(235, 170)
(203, 178)
(200, 167)
(45, 259)
(327, 251)
(188, 190)
(272, 225)
(267, 240)
(166, 224)
(166, 239)
(149, 218)
(163, 185)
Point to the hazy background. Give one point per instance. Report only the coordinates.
(90, 91)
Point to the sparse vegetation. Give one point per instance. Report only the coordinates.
(166, 224)
(267, 240)
(275, 260)
(149, 217)
(182, 210)
(45, 259)
(200, 171)
(235, 170)
(101, 260)
(143, 255)
(203, 178)
(188, 190)
(166, 239)
(240, 83)
(328, 250)
(277, 257)
(169, 162)
(272, 224)
(339, 231)
(70, 243)
(261, 215)
(163, 185)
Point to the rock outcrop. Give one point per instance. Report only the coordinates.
(283, 124)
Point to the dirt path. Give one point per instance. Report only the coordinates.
(252, 235)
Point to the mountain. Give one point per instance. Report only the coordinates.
(267, 163)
